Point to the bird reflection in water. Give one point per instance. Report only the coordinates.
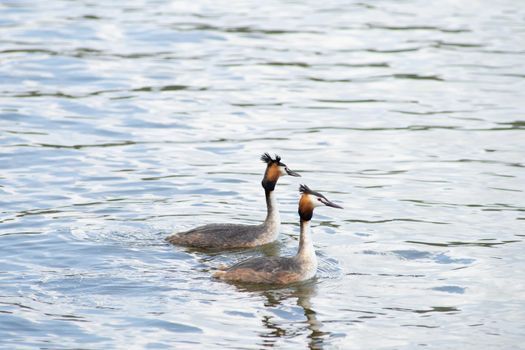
(277, 329)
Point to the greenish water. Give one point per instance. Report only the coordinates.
(123, 122)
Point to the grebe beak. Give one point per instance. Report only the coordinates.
(291, 172)
(330, 204)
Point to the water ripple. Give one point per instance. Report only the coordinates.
(121, 124)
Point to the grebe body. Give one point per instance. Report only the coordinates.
(229, 236)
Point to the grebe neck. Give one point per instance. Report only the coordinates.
(306, 250)
(272, 215)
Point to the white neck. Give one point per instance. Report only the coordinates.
(306, 250)
(272, 216)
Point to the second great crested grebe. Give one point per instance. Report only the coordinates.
(284, 270)
(229, 236)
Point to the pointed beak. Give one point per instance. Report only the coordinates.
(331, 204)
(291, 172)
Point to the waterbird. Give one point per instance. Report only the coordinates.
(229, 236)
(284, 270)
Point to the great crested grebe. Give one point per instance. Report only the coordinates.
(284, 270)
(228, 236)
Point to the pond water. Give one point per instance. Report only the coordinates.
(121, 122)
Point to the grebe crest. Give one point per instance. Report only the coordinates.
(274, 169)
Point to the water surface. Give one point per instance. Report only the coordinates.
(123, 122)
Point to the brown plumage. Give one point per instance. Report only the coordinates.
(223, 236)
(276, 270)
(272, 173)
(306, 207)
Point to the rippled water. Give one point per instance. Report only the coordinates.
(122, 122)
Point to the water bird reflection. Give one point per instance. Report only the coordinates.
(275, 330)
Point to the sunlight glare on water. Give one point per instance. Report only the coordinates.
(121, 123)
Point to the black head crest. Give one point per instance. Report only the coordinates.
(268, 159)
(306, 190)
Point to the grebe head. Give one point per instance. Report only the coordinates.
(274, 169)
(311, 199)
